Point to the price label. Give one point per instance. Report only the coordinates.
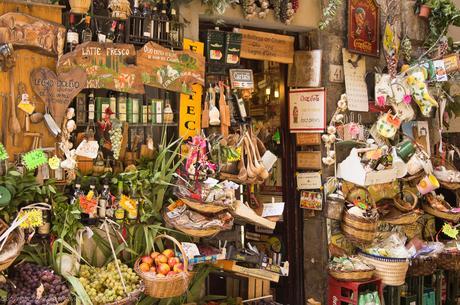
(34, 159)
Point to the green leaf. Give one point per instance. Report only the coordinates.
(81, 294)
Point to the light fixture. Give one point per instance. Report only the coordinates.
(267, 91)
(276, 94)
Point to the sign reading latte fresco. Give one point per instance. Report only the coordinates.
(267, 46)
(363, 27)
(170, 70)
(107, 65)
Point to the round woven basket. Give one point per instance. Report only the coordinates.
(169, 286)
(358, 230)
(20, 238)
(392, 271)
(403, 218)
(407, 203)
(352, 276)
(449, 261)
(203, 207)
(449, 216)
(131, 298)
(422, 266)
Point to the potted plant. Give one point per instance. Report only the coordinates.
(443, 14)
(422, 8)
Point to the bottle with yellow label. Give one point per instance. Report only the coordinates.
(119, 211)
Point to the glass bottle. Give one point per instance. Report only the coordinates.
(147, 22)
(91, 106)
(168, 115)
(113, 104)
(132, 215)
(175, 28)
(87, 33)
(136, 25)
(163, 22)
(119, 213)
(104, 200)
(77, 192)
(72, 34)
(154, 23)
(121, 33)
(121, 107)
(95, 193)
(111, 34)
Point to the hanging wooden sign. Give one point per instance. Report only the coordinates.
(307, 139)
(170, 70)
(308, 160)
(108, 66)
(57, 91)
(363, 27)
(190, 105)
(27, 31)
(267, 46)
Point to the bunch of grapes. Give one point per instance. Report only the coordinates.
(103, 285)
(37, 285)
(116, 137)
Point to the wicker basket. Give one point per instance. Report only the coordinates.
(449, 261)
(422, 266)
(170, 286)
(131, 299)
(79, 6)
(352, 276)
(192, 232)
(203, 207)
(8, 262)
(407, 203)
(358, 230)
(449, 216)
(402, 218)
(392, 271)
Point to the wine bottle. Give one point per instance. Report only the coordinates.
(164, 22)
(175, 28)
(136, 26)
(113, 104)
(154, 23)
(87, 33)
(111, 34)
(121, 107)
(147, 21)
(72, 34)
(119, 213)
(104, 201)
(77, 192)
(95, 194)
(91, 106)
(121, 33)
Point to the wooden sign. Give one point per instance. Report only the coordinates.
(108, 66)
(241, 79)
(308, 139)
(170, 70)
(307, 110)
(363, 27)
(308, 181)
(27, 31)
(308, 160)
(57, 91)
(355, 84)
(190, 105)
(267, 46)
(306, 69)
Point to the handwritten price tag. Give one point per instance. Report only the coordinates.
(34, 159)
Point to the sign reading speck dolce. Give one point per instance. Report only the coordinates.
(307, 110)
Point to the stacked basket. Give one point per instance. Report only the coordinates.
(392, 271)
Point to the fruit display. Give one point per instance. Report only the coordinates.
(161, 264)
(103, 285)
(37, 285)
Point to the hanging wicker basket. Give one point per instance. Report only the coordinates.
(169, 286)
(359, 231)
(392, 271)
(79, 6)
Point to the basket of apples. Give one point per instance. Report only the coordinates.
(164, 274)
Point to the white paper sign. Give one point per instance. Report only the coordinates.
(354, 67)
(308, 181)
(273, 209)
(88, 149)
(190, 249)
(268, 160)
(307, 110)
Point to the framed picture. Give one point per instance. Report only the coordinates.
(307, 110)
(311, 200)
(363, 27)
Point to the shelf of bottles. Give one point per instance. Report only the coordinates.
(158, 23)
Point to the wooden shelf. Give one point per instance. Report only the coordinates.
(34, 3)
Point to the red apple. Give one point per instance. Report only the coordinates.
(178, 268)
(168, 253)
(154, 255)
(171, 273)
(147, 259)
(163, 268)
(161, 259)
(173, 261)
